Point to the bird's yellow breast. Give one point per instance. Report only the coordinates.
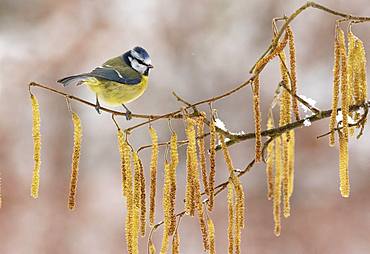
(115, 93)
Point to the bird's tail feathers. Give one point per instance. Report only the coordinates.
(72, 79)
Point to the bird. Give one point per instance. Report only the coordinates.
(119, 80)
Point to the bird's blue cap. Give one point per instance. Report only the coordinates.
(142, 52)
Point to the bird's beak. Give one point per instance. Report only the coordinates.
(150, 66)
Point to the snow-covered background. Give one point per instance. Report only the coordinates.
(199, 49)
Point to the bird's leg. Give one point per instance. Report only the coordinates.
(97, 105)
(128, 113)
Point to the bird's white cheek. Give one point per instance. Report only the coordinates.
(137, 66)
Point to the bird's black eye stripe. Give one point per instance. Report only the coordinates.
(140, 61)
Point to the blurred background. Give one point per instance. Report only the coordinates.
(200, 49)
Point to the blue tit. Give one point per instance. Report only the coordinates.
(119, 80)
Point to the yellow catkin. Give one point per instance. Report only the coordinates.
(363, 78)
(212, 162)
(344, 83)
(193, 196)
(335, 98)
(357, 69)
(165, 240)
(293, 72)
(352, 76)
(130, 230)
(135, 230)
(137, 198)
(189, 192)
(172, 199)
(132, 212)
(351, 66)
(343, 137)
(127, 165)
(121, 146)
(172, 175)
(167, 208)
(151, 247)
(202, 151)
(239, 215)
(227, 155)
(230, 227)
(142, 200)
(36, 147)
(277, 186)
(239, 208)
(137, 187)
(191, 163)
(285, 97)
(291, 149)
(343, 166)
(285, 118)
(257, 118)
(281, 45)
(176, 243)
(211, 230)
(270, 161)
(77, 138)
(286, 176)
(153, 173)
(203, 228)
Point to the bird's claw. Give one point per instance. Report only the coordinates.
(97, 105)
(128, 115)
(97, 108)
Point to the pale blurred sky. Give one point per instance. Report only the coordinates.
(200, 49)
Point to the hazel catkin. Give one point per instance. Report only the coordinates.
(77, 138)
(270, 161)
(176, 243)
(293, 71)
(335, 98)
(172, 178)
(212, 162)
(142, 200)
(211, 229)
(344, 133)
(153, 173)
(36, 146)
(230, 227)
(202, 151)
(192, 181)
(167, 208)
(277, 187)
(257, 118)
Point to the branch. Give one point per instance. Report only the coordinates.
(273, 133)
(119, 113)
(282, 129)
(309, 4)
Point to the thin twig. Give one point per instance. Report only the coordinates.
(359, 123)
(300, 99)
(179, 143)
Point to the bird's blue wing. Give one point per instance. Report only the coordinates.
(123, 75)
